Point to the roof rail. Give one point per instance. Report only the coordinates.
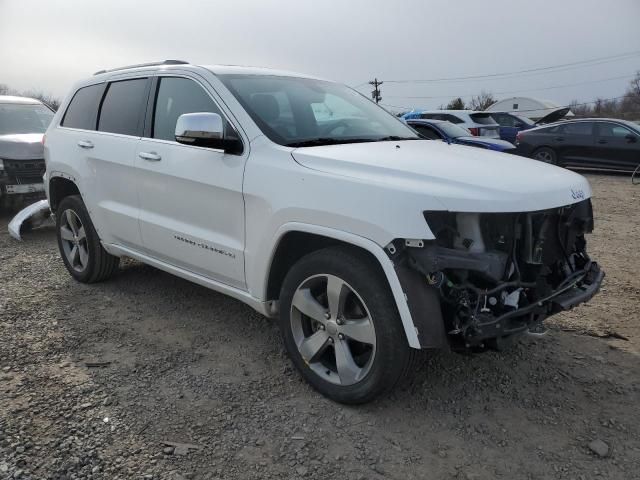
(151, 64)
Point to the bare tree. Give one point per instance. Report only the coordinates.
(455, 104)
(47, 99)
(482, 102)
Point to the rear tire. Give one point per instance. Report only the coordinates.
(357, 351)
(79, 244)
(546, 155)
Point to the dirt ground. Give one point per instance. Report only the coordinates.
(148, 376)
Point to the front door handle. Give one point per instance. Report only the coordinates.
(150, 156)
(559, 139)
(602, 141)
(85, 144)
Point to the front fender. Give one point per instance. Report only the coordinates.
(378, 252)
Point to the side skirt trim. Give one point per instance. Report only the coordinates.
(243, 296)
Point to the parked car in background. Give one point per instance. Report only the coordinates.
(511, 124)
(478, 123)
(448, 132)
(23, 121)
(587, 143)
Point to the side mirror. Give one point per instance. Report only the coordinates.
(631, 138)
(203, 129)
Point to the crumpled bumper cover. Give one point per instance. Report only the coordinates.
(589, 286)
(36, 212)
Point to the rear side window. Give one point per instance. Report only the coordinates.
(175, 97)
(482, 118)
(122, 107)
(82, 111)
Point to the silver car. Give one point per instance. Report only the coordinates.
(23, 122)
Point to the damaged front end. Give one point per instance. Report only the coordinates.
(500, 274)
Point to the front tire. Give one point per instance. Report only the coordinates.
(79, 244)
(546, 155)
(341, 327)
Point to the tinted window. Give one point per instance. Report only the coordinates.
(579, 128)
(175, 97)
(83, 109)
(427, 132)
(482, 118)
(613, 130)
(24, 118)
(122, 107)
(452, 119)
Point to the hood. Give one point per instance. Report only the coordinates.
(21, 146)
(489, 142)
(455, 177)
(553, 116)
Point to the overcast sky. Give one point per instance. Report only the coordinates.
(48, 45)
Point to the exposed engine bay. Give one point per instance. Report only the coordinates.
(499, 274)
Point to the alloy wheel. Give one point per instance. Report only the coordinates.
(544, 156)
(333, 330)
(74, 240)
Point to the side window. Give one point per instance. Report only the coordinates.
(452, 119)
(579, 128)
(122, 107)
(83, 108)
(175, 97)
(504, 120)
(613, 130)
(427, 132)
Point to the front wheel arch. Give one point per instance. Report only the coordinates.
(306, 235)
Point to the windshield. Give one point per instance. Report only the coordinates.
(297, 112)
(24, 118)
(454, 131)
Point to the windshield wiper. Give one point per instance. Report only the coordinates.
(315, 142)
(396, 138)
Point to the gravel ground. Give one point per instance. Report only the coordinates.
(149, 376)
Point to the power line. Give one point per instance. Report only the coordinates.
(516, 91)
(533, 109)
(529, 71)
(559, 67)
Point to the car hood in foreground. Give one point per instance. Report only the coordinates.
(489, 142)
(459, 178)
(22, 146)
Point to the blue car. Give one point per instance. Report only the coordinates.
(511, 124)
(448, 132)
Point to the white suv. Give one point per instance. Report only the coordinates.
(305, 200)
(479, 124)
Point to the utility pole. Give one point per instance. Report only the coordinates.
(375, 94)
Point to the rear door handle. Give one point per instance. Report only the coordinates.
(559, 139)
(150, 156)
(602, 141)
(85, 144)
